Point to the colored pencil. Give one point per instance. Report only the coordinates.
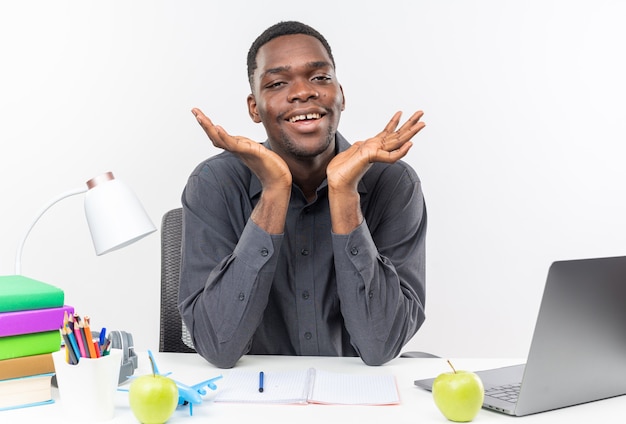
(69, 350)
(79, 338)
(88, 337)
(96, 348)
(73, 344)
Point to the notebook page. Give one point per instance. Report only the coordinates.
(354, 389)
(278, 387)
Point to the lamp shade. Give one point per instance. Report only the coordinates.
(115, 216)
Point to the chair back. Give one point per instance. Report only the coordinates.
(174, 336)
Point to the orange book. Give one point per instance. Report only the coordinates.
(26, 365)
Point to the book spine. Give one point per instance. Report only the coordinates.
(18, 293)
(26, 365)
(29, 344)
(32, 321)
(22, 303)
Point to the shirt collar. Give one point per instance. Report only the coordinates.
(342, 145)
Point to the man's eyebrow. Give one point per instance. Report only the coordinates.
(276, 70)
(311, 65)
(319, 64)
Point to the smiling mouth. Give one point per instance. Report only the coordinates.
(307, 117)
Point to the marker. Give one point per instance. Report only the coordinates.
(261, 382)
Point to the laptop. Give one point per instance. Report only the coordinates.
(578, 349)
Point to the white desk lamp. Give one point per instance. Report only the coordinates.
(116, 219)
(115, 216)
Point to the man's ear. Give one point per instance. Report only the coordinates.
(343, 99)
(252, 109)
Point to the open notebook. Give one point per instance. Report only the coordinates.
(309, 386)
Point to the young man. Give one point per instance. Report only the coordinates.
(305, 244)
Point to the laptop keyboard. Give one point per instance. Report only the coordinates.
(507, 392)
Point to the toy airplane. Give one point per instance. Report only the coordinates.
(191, 395)
(188, 395)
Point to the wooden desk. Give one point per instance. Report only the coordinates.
(416, 406)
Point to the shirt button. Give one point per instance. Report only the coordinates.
(264, 252)
(305, 295)
(370, 294)
(354, 250)
(242, 296)
(304, 252)
(308, 335)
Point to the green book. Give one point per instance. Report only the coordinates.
(19, 293)
(29, 344)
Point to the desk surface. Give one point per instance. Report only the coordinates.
(416, 404)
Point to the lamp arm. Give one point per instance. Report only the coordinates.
(20, 247)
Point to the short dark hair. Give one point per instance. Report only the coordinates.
(277, 30)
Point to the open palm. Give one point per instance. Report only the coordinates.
(388, 146)
(269, 167)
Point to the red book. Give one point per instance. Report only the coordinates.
(32, 321)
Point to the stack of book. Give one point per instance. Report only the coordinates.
(31, 314)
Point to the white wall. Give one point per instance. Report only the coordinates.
(521, 160)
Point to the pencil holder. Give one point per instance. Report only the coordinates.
(87, 389)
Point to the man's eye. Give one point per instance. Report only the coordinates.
(275, 84)
(321, 78)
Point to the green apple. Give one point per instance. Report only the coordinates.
(153, 398)
(459, 395)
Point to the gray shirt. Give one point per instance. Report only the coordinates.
(307, 291)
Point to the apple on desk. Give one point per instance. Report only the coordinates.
(459, 395)
(153, 398)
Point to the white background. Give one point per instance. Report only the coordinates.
(522, 158)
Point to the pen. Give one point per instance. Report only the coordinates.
(102, 336)
(106, 349)
(261, 375)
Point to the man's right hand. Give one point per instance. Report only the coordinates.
(270, 169)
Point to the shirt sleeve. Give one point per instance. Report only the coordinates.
(228, 263)
(381, 274)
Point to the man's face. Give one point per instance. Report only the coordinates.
(296, 96)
